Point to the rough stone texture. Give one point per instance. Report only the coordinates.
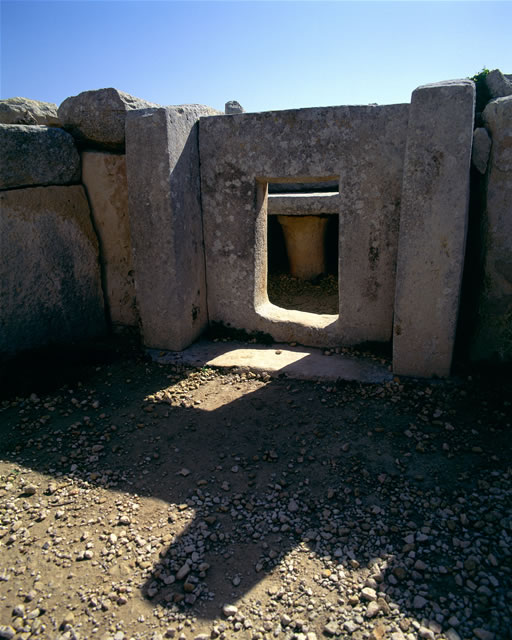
(26, 111)
(233, 106)
(362, 148)
(305, 244)
(433, 225)
(481, 149)
(104, 177)
(162, 162)
(50, 288)
(97, 118)
(498, 84)
(303, 204)
(493, 339)
(37, 155)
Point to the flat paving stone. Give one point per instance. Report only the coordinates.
(304, 363)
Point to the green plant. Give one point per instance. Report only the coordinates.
(482, 92)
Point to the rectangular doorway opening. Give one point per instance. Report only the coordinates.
(302, 244)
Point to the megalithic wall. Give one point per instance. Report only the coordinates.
(433, 225)
(162, 163)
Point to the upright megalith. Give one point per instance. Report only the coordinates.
(104, 178)
(433, 224)
(96, 119)
(493, 338)
(37, 155)
(50, 286)
(162, 161)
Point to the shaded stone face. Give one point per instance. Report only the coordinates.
(433, 223)
(50, 286)
(359, 148)
(37, 155)
(493, 339)
(162, 161)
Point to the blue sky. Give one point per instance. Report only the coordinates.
(265, 54)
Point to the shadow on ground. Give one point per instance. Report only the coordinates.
(388, 485)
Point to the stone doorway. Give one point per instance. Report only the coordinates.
(302, 246)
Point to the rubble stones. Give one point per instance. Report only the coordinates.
(232, 106)
(29, 112)
(326, 568)
(96, 118)
(481, 149)
(498, 84)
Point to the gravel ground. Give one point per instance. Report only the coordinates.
(149, 501)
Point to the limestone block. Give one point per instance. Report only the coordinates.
(104, 178)
(233, 106)
(50, 287)
(305, 244)
(498, 84)
(162, 162)
(359, 148)
(26, 111)
(302, 204)
(37, 155)
(493, 339)
(433, 224)
(481, 149)
(97, 118)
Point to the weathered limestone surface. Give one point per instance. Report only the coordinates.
(37, 155)
(362, 148)
(303, 204)
(26, 111)
(162, 161)
(233, 106)
(481, 149)
(97, 118)
(50, 288)
(498, 84)
(433, 225)
(104, 178)
(493, 339)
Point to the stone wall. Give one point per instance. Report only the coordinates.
(116, 212)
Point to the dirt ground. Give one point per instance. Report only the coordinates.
(146, 501)
(319, 296)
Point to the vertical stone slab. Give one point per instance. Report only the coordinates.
(433, 224)
(104, 178)
(50, 285)
(162, 163)
(493, 339)
(363, 149)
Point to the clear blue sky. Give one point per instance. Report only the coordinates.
(267, 55)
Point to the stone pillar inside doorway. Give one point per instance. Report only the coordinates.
(305, 244)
